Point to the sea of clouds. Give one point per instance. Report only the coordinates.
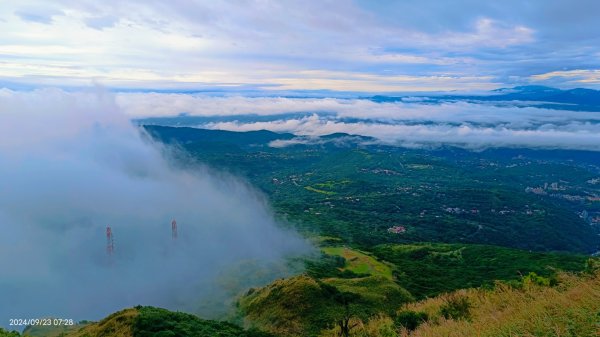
(408, 122)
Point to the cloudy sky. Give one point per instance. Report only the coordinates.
(368, 46)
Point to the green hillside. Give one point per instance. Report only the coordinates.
(431, 269)
(342, 188)
(303, 306)
(412, 242)
(150, 322)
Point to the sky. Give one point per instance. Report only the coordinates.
(343, 45)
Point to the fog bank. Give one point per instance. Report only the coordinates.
(71, 164)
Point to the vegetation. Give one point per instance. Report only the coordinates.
(359, 263)
(297, 306)
(118, 324)
(428, 269)
(410, 320)
(52, 330)
(303, 306)
(153, 322)
(356, 192)
(150, 322)
(569, 309)
(456, 307)
(6, 333)
(454, 229)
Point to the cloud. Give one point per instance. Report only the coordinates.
(408, 123)
(465, 45)
(72, 164)
(576, 76)
(572, 136)
(341, 141)
(489, 33)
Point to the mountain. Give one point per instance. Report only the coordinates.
(578, 96)
(149, 322)
(187, 135)
(303, 306)
(566, 305)
(410, 242)
(578, 99)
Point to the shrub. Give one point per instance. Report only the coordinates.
(592, 265)
(409, 319)
(534, 279)
(456, 307)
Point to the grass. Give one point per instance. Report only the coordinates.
(118, 324)
(312, 189)
(302, 305)
(330, 184)
(52, 330)
(427, 270)
(324, 239)
(154, 322)
(360, 262)
(288, 307)
(571, 309)
(148, 322)
(381, 294)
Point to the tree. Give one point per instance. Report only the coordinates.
(346, 306)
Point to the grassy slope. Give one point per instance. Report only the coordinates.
(160, 322)
(301, 306)
(51, 331)
(290, 307)
(118, 324)
(571, 309)
(359, 262)
(6, 333)
(431, 269)
(151, 322)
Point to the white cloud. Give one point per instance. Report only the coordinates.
(71, 164)
(458, 123)
(288, 45)
(572, 136)
(334, 45)
(576, 76)
(489, 33)
(159, 104)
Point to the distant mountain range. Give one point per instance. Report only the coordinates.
(552, 98)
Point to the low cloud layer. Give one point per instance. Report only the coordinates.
(71, 164)
(410, 122)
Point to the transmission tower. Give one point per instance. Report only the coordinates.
(174, 229)
(110, 243)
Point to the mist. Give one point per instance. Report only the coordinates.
(72, 164)
(409, 123)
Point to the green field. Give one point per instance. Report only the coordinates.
(359, 262)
